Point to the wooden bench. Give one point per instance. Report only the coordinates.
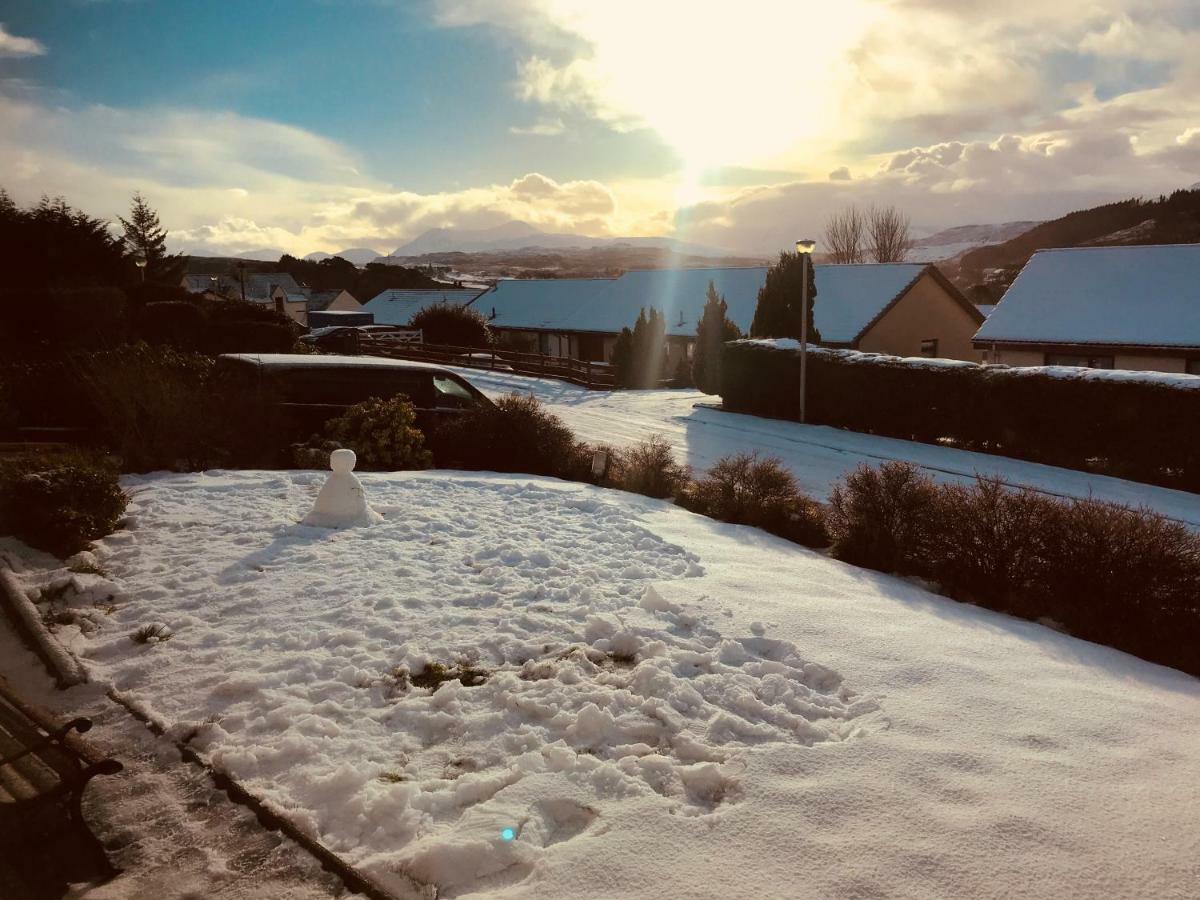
(44, 769)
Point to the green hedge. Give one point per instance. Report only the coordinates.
(1133, 426)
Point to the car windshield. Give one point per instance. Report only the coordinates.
(448, 392)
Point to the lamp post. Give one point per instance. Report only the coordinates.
(241, 268)
(804, 250)
(140, 261)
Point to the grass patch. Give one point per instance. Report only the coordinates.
(434, 675)
(154, 633)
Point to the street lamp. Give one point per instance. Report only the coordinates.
(140, 261)
(804, 250)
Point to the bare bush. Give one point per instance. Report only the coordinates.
(881, 518)
(650, 468)
(888, 235)
(746, 490)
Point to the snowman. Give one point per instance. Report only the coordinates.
(342, 502)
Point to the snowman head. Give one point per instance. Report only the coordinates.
(342, 461)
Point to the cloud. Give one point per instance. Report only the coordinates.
(540, 128)
(840, 174)
(13, 46)
(225, 184)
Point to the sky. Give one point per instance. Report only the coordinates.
(321, 125)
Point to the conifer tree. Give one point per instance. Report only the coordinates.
(712, 331)
(777, 314)
(144, 236)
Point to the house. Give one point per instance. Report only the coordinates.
(336, 300)
(277, 289)
(1134, 307)
(397, 307)
(904, 309)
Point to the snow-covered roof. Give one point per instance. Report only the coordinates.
(1147, 296)
(849, 298)
(198, 284)
(259, 285)
(986, 308)
(541, 303)
(319, 361)
(397, 307)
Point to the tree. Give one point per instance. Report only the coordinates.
(145, 237)
(622, 359)
(458, 326)
(53, 245)
(638, 356)
(777, 314)
(888, 235)
(844, 236)
(713, 330)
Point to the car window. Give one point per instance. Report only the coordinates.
(449, 393)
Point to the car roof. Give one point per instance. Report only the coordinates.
(331, 361)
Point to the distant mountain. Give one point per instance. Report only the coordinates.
(265, 254)
(360, 256)
(525, 237)
(954, 241)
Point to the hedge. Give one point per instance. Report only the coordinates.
(1133, 425)
(39, 321)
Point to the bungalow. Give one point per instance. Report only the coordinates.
(902, 309)
(397, 307)
(1103, 308)
(277, 289)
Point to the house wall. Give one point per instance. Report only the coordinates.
(344, 302)
(1138, 362)
(927, 310)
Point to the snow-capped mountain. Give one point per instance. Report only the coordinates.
(951, 242)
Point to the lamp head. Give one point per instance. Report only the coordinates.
(805, 246)
(139, 260)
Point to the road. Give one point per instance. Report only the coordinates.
(818, 455)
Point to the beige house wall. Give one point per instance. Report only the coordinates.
(344, 302)
(927, 310)
(1137, 362)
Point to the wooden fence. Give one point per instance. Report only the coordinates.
(595, 376)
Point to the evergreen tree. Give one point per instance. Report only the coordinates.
(53, 245)
(622, 359)
(713, 330)
(777, 314)
(144, 236)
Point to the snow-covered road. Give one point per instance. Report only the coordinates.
(670, 706)
(818, 455)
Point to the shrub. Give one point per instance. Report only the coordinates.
(383, 433)
(515, 435)
(154, 406)
(990, 545)
(39, 322)
(1087, 419)
(881, 518)
(63, 507)
(746, 490)
(649, 468)
(458, 326)
(1126, 577)
(177, 323)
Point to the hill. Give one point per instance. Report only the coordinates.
(1166, 220)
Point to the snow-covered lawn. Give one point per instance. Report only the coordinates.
(673, 707)
(818, 455)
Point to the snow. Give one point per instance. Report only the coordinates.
(817, 455)
(397, 307)
(673, 706)
(1119, 296)
(540, 303)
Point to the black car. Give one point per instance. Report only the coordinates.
(308, 391)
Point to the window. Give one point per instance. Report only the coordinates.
(448, 393)
(929, 348)
(1086, 362)
(1193, 366)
